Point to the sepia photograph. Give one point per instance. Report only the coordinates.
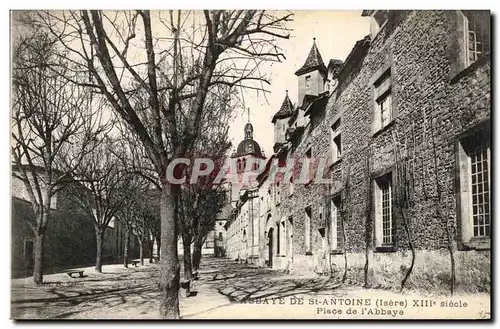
(250, 164)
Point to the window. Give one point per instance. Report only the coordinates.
(379, 19)
(336, 141)
(382, 101)
(307, 230)
(308, 163)
(336, 232)
(474, 166)
(220, 236)
(384, 218)
(308, 82)
(291, 186)
(384, 104)
(477, 36)
(480, 190)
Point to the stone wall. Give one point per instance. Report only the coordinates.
(432, 108)
(69, 241)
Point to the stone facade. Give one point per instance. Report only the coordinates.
(393, 138)
(243, 228)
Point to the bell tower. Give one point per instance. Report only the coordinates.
(247, 151)
(311, 75)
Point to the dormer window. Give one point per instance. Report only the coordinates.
(330, 85)
(308, 82)
(379, 19)
(469, 39)
(477, 36)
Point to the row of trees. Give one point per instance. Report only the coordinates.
(103, 175)
(156, 71)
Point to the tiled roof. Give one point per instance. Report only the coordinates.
(313, 61)
(286, 109)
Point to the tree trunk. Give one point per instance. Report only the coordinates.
(125, 249)
(197, 255)
(38, 261)
(150, 246)
(188, 271)
(98, 257)
(169, 264)
(158, 246)
(141, 251)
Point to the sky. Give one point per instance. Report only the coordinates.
(336, 32)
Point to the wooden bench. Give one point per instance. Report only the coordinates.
(134, 262)
(70, 273)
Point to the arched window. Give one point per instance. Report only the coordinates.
(239, 164)
(244, 163)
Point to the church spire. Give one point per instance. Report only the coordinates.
(313, 62)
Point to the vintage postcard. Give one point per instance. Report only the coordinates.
(251, 164)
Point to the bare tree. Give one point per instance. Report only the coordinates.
(146, 221)
(54, 124)
(212, 203)
(101, 189)
(136, 212)
(213, 143)
(194, 59)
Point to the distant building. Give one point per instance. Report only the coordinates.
(69, 239)
(215, 242)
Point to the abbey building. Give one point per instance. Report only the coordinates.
(404, 125)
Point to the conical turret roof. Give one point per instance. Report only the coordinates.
(286, 109)
(313, 62)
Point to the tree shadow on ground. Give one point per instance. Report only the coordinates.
(245, 283)
(85, 300)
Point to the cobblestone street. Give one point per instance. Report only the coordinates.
(225, 289)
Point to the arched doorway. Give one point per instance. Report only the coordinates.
(270, 245)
